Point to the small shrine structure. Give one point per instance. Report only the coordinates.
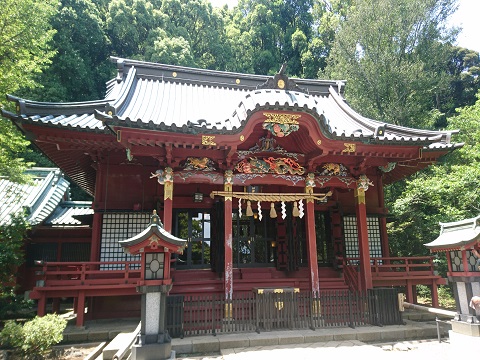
(460, 240)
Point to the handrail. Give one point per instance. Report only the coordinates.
(350, 273)
(85, 273)
(388, 267)
(412, 266)
(128, 344)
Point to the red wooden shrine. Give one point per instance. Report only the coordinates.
(273, 181)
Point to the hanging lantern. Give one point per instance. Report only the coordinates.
(295, 211)
(259, 207)
(249, 211)
(273, 213)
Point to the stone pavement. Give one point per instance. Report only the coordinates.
(280, 344)
(305, 338)
(413, 350)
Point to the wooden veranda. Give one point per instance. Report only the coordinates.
(83, 280)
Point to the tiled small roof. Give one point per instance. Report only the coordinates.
(38, 199)
(457, 235)
(188, 100)
(68, 213)
(154, 230)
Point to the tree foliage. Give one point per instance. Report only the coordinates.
(12, 235)
(391, 53)
(446, 192)
(79, 68)
(25, 33)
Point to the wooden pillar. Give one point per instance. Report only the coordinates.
(100, 203)
(363, 247)
(311, 236)
(42, 304)
(96, 237)
(464, 260)
(56, 305)
(435, 295)
(80, 306)
(449, 261)
(168, 200)
(228, 272)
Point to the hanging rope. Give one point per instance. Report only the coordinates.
(271, 197)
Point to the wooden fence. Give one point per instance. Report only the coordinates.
(249, 312)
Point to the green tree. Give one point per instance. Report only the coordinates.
(392, 54)
(264, 34)
(25, 35)
(12, 235)
(463, 67)
(80, 67)
(128, 25)
(446, 192)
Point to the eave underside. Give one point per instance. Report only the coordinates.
(78, 153)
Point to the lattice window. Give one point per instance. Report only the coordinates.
(456, 258)
(351, 236)
(374, 237)
(154, 266)
(471, 261)
(116, 227)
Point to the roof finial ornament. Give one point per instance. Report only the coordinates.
(281, 81)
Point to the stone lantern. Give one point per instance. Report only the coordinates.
(155, 245)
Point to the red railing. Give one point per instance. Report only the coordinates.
(406, 266)
(59, 274)
(390, 268)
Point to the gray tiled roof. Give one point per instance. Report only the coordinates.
(180, 99)
(66, 212)
(457, 235)
(38, 198)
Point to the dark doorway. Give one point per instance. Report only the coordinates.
(193, 225)
(253, 240)
(325, 253)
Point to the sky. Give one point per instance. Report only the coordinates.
(466, 17)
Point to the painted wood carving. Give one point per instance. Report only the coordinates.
(268, 144)
(269, 166)
(280, 124)
(332, 169)
(201, 164)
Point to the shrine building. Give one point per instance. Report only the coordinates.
(274, 182)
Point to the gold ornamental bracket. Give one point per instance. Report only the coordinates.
(272, 197)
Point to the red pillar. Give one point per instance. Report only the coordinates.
(364, 251)
(168, 200)
(96, 237)
(311, 235)
(99, 203)
(312, 247)
(80, 308)
(42, 304)
(228, 273)
(56, 305)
